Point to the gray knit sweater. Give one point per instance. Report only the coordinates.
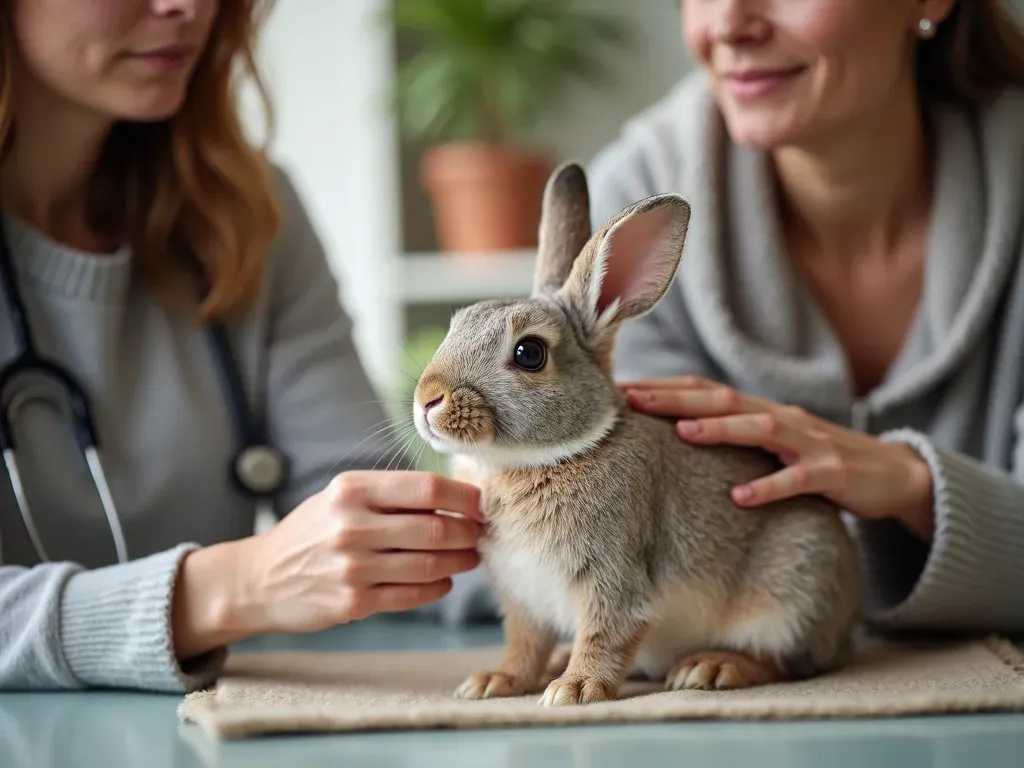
(166, 444)
(738, 314)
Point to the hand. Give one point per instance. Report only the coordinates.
(370, 542)
(860, 473)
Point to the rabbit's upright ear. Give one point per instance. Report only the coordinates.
(629, 264)
(564, 226)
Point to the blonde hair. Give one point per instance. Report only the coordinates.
(190, 195)
(977, 53)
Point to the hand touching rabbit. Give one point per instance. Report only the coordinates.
(866, 476)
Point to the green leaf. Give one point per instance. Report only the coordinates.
(489, 68)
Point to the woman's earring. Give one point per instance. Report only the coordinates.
(926, 28)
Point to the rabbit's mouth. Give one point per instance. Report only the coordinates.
(433, 436)
(426, 431)
(444, 444)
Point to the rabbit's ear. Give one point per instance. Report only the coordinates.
(629, 265)
(564, 226)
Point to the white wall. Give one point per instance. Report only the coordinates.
(588, 118)
(327, 65)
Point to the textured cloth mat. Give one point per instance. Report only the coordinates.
(292, 692)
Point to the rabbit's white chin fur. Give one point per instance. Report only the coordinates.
(491, 457)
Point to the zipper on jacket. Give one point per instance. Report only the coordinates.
(860, 415)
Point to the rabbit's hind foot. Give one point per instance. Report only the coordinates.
(723, 670)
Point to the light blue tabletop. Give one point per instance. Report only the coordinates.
(118, 730)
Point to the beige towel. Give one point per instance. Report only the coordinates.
(290, 692)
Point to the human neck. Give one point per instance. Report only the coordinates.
(860, 193)
(45, 177)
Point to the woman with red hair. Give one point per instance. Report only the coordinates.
(138, 226)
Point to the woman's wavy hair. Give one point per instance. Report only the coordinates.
(977, 52)
(192, 196)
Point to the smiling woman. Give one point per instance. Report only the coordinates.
(851, 292)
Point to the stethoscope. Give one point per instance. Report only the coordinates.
(259, 470)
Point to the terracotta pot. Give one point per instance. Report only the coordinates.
(484, 197)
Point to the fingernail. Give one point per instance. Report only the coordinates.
(743, 493)
(689, 427)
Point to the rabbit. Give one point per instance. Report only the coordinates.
(602, 523)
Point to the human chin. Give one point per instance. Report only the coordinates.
(760, 129)
(150, 104)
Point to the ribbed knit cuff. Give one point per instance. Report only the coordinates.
(971, 577)
(116, 627)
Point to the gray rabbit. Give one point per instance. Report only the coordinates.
(603, 524)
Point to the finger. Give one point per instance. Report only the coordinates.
(691, 403)
(670, 382)
(386, 490)
(422, 567)
(787, 456)
(399, 531)
(796, 480)
(762, 430)
(387, 598)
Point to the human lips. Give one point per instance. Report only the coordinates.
(749, 84)
(169, 57)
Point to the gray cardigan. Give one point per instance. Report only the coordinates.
(738, 314)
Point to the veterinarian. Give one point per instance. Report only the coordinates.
(171, 352)
(851, 296)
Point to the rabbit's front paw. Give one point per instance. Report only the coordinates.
(572, 689)
(721, 670)
(491, 685)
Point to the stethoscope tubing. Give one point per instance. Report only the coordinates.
(29, 360)
(99, 480)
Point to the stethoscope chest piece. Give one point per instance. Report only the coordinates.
(260, 471)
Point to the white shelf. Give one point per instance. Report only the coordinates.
(432, 278)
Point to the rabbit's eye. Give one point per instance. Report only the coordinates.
(530, 354)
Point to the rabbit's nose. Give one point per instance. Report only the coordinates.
(436, 401)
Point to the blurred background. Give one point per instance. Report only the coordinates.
(420, 133)
(373, 98)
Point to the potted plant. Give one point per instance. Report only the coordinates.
(483, 74)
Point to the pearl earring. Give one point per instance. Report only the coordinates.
(926, 28)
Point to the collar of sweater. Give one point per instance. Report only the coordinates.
(762, 326)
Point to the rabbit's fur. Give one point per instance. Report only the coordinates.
(602, 522)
